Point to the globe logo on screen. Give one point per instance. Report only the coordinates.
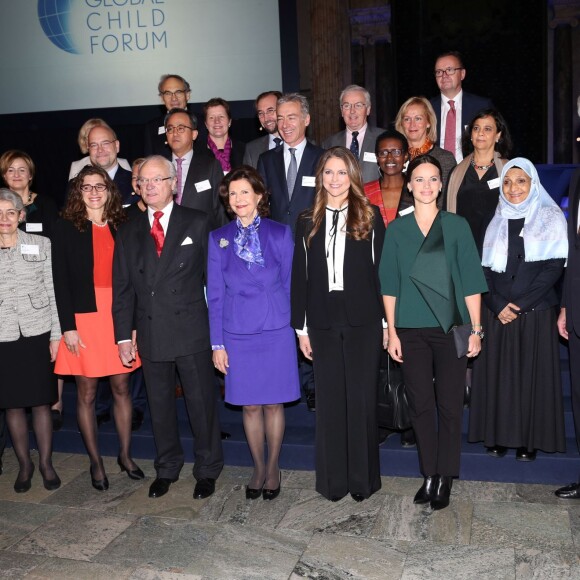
(54, 16)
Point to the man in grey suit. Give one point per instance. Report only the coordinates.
(199, 174)
(359, 137)
(266, 110)
(159, 272)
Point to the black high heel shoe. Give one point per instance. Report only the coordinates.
(131, 473)
(272, 493)
(99, 484)
(50, 484)
(253, 493)
(24, 486)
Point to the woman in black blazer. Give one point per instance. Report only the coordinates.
(337, 312)
(83, 246)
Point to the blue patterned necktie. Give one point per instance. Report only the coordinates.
(354, 144)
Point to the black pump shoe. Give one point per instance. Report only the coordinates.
(51, 484)
(427, 490)
(272, 493)
(131, 473)
(25, 485)
(440, 499)
(253, 493)
(99, 484)
(497, 451)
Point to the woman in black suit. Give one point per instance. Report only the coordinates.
(337, 312)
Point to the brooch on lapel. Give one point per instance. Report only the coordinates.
(224, 243)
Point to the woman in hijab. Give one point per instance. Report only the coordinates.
(517, 396)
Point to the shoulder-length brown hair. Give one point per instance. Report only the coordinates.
(255, 180)
(75, 209)
(360, 214)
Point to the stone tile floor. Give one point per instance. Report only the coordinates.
(491, 530)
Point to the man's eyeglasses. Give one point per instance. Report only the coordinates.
(100, 187)
(393, 152)
(169, 94)
(356, 106)
(102, 145)
(179, 129)
(144, 182)
(449, 71)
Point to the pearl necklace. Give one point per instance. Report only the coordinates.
(99, 225)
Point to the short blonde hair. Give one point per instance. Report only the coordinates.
(429, 113)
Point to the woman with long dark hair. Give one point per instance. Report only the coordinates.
(337, 313)
(84, 241)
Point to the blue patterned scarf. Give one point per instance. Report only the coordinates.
(247, 243)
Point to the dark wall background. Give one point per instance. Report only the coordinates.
(504, 48)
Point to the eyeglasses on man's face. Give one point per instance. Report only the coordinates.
(168, 94)
(449, 71)
(178, 129)
(102, 145)
(356, 106)
(144, 182)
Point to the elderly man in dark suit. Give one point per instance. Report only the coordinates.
(158, 287)
(454, 108)
(359, 136)
(266, 110)
(199, 174)
(569, 319)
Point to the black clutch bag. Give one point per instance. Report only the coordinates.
(393, 406)
(461, 336)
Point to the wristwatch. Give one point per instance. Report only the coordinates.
(479, 333)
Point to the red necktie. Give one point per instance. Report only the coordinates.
(450, 142)
(157, 231)
(179, 161)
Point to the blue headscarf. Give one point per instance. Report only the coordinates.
(545, 231)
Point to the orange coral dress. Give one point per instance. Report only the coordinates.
(100, 358)
(373, 192)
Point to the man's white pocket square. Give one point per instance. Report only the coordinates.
(187, 241)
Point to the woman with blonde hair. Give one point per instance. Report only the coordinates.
(416, 119)
(337, 313)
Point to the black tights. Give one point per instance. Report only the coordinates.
(122, 406)
(42, 425)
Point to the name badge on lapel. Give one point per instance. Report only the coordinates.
(493, 183)
(202, 185)
(370, 157)
(30, 249)
(308, 181)
(33, 227)
(161, 130)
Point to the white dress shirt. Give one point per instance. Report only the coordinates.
(184, 166)
(335, 253)
(360, 137)
(298, 153)
(164, 221)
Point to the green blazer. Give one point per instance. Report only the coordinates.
(403, 239)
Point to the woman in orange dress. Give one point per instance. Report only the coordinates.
(83, 246)
(392, 151)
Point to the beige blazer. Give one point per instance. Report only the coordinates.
(27, 302)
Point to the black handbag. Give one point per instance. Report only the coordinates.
(393, 406)
(461, 334)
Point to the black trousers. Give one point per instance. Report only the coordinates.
(197, 380)
(436, 409)
(3, 431)
(346, 369)
(574, 345)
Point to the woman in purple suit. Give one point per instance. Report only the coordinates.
(248, 292)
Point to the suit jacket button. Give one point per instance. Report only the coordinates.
(153, 293)
(181, 265)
